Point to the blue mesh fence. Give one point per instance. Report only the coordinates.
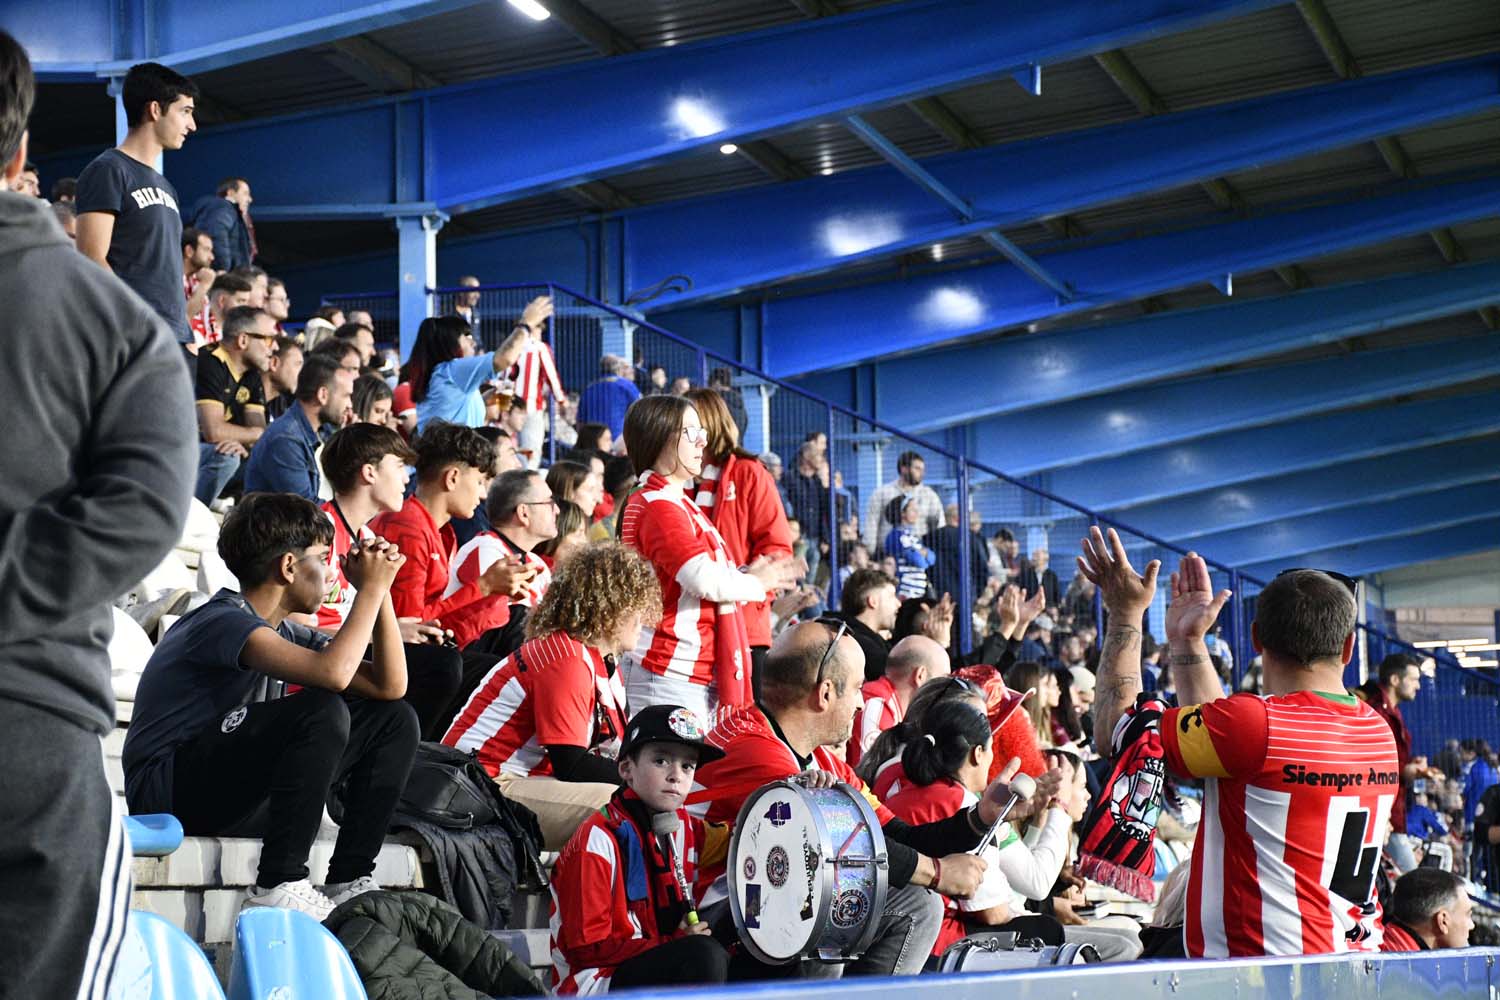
(970, 527)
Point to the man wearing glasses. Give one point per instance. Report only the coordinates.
(1298, 785)
(231, 397)
(810, 690)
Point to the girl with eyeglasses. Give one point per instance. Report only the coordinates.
(698, 654)
(447, 375)
(947, 766)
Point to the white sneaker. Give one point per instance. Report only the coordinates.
(299, 895)
(342, 892)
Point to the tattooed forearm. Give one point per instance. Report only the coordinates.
(1119, 681)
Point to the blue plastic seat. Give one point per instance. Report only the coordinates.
(283, 950)
(159, 962)
(153, 835)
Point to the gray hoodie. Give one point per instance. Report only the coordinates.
(98, 453)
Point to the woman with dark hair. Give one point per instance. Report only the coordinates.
(697, 655)
(1066, 729)
(947, 766)
(880, 766)
(576, 482)
(594, 437)
(740, 498)
(372, 401)
(446, 374)
(1029, 675)
(572, 535)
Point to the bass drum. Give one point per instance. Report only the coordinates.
(808, 873)
(998, 951)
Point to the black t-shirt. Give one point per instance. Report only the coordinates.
(145, 250)
(218, 384)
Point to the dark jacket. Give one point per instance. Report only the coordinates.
(411, 946)
(220, 218)
(99, 461)
(877, 650)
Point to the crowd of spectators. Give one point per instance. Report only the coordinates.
(611, 602)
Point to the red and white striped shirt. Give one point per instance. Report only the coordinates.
(695, 572)
(205, 328)
(469, 564)
(879, 711)
(1298, 792)
(340, 596)
(553, 691)
(535, 375)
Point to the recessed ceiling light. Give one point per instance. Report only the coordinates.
(826, 171)
(729, 149)
(937, 251)
(531, 9)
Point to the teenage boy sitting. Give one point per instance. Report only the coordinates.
(453, 466)
(214, 738)
(365, 464)
(611, 927)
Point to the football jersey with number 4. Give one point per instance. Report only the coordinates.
(1298, 795)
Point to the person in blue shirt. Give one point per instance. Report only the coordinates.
(447, 375)
(1421, 821)
(284, 459)
(904, 544)
(606, 400)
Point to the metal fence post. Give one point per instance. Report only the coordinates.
(835, 585)
(1236, 625)
(549, 337)
(965, 609)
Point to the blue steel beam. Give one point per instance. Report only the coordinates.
(729, 242)
(962, 210)
(1101, 427)
(1117, 484)
(1359, 522)
(630, 111)
(1389, 553)
(813, 332)
(1052, 367)
(1184, 520)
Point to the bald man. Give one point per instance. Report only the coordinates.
(912, 662)
(809, 692)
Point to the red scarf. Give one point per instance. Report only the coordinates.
(1119, 834)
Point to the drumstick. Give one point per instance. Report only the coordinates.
(665, 825)
(1021, 787)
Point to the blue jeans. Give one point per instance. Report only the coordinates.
(214, 473)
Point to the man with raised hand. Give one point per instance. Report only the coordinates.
(1298, 784)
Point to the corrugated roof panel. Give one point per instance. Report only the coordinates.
(541, 210)
(1386, 35)
(1261, 53)
(652, 23)
(284, 84)
(1163, 210)
(701, 173)
(1473, 143)
(1316, 176)
(1076, 94)
(486, 40)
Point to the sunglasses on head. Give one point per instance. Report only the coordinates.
(1349, 582)
(840, 628)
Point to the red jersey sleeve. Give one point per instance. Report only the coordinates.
(563, 697)
(665, 536)
(1225, 738)
(409, 589)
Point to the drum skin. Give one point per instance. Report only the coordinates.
(808, 873)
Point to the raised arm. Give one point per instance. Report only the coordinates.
(1194, 609)
(1126, 595)
(537, 312)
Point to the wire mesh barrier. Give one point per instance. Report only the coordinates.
(865, 494)
(384, 309)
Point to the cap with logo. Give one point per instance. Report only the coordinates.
(668, 724)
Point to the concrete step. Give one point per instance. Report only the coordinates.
(210, 863)
(532, 945)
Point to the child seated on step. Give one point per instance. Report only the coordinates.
(623, 893)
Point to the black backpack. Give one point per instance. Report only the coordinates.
(451, 789)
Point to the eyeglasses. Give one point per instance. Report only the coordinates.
(695, 435)
(549, 502)
(1349, 582)
(840, 628)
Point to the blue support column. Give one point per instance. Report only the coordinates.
(417, 260)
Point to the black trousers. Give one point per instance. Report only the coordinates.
(284, 755)
(64, 860)
(433, 674)
(696, 959)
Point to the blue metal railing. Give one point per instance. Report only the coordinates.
(1455, 701)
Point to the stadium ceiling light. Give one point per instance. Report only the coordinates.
(729, 149)
(531, 9)
(937, 251)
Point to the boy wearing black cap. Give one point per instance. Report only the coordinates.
(622, 890)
